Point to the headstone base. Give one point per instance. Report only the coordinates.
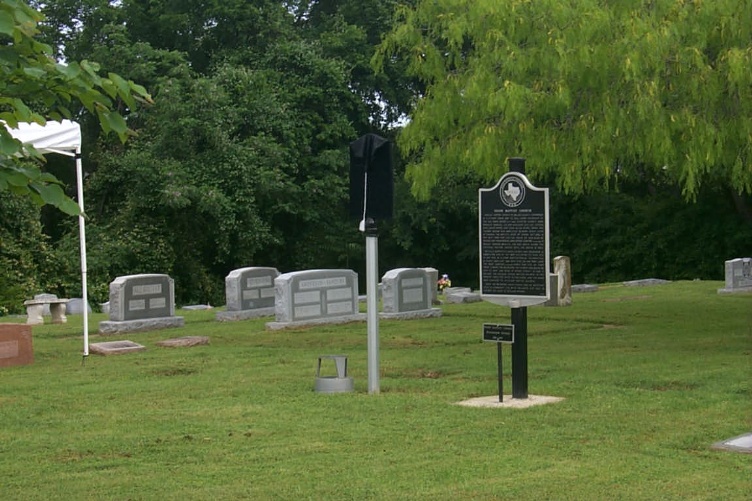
(410, 315)
(274, 326)
(144, 324)
(737, 290)
(232, 316)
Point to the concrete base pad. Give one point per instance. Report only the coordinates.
(509, 402)
(738, 290)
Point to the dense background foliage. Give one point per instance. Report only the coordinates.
(242, 160)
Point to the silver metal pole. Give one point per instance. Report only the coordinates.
(372, 281)
(82, 245)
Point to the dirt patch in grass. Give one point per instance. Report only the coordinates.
(174, 371)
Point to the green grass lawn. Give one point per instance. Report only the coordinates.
(651, 378)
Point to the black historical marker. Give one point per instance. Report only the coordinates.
(514, 242)
(514, 257)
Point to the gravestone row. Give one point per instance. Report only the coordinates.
(147, 301)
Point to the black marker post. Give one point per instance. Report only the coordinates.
(519, 321)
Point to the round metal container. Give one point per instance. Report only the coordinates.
(334, 384)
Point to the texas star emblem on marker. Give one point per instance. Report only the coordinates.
(512, 192)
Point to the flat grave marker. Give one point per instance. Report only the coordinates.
(115, 347)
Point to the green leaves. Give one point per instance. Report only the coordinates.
(590, 92)
(7, 22)
(28, 180)
(33, 80)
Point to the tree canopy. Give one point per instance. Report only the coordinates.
(592, 92)
(242, 158)
(35, 87)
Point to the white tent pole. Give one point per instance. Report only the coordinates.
(82, 240)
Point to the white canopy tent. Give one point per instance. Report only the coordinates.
(63, 137)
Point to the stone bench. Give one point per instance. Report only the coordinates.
(35, 310)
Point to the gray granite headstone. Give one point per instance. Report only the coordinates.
(249, 293)
(141, 302)
(407, 293)
(553, 278)
(315, 296)
(75, 306)
(135, 297)
(738, 276)
(433, 279)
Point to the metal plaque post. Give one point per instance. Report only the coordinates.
(372, 282)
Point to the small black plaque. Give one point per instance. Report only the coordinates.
(498, 333)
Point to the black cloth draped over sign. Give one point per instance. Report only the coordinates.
(371, 178)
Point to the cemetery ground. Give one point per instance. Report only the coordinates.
(651, 377)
